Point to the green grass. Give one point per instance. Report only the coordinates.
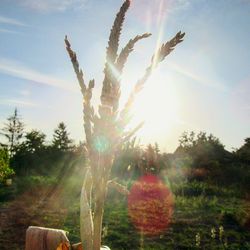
(197, 211)
(192, 215)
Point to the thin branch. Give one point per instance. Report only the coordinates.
(120, 188)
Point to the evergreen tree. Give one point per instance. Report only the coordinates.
(61, 138)
(13, 132)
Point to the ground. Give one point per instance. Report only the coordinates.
(194, 218)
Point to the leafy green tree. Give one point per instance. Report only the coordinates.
(61, 138)
(30, 154)
(5, 170)
(207, 155)
(34, 141)
(13, 131)
(202, 147)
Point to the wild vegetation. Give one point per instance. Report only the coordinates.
(209, 184)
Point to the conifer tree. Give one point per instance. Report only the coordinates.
(13, 131)
(61, 138)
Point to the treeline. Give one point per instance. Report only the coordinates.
(28, 153)
(199, 157)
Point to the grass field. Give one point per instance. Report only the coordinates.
(204, 217)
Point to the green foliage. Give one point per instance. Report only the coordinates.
(125, 164)
(134, 161)
(243, 153)
(5, 170)
(206, 150)
(34, 141)
(30, 154)
(197, 188)
(210, 186)
(34, 182)
(195, 213)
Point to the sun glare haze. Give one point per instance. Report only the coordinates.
(206, 80)
(144, 143)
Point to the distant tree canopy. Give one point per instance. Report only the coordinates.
(133, 160)
(199, 156)
(28, 153)
(13, 131)
(206, 150)
(244, 151)
(34, 141)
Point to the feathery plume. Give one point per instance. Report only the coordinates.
(166, 48)
(86, 92)
(111, 55)
(115, 33)
(75, 64)
(122, 58)
(119, 65)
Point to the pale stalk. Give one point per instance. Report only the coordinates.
(86, 220)
(107, 125)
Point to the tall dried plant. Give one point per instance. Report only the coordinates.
(106, 130)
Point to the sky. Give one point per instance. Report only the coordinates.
(203, 85)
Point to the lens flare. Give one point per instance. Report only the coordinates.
(150, 205)
(101, 144)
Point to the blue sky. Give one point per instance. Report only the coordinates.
(204, 85)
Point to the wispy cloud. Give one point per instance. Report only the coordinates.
(9, 31)
(16, 102)
(197, 77)
(25, 92)
(17, 69)
(52, 5)
(11, 21)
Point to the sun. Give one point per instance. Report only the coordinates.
(158, 106)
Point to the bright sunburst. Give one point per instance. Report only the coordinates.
(158, 106)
